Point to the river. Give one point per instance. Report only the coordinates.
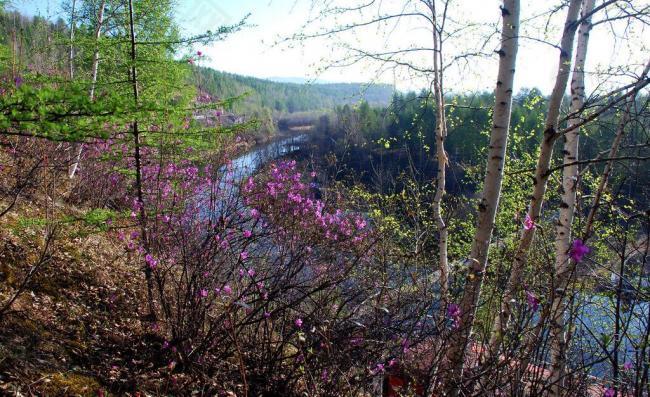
(248, 163)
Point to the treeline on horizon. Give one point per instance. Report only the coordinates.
(282, 97)
(400, 138)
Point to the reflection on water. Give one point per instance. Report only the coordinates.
(246, 165)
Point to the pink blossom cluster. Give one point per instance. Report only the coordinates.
(284, 194)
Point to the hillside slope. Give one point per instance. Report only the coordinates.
(288, 97)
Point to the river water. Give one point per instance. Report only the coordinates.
(595, 329)
(248, 163)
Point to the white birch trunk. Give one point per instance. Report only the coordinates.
(541, 177)
(441, 135)
(71, 55)
(94, 70)
(567, 208)
(491, 189)
(564, 266)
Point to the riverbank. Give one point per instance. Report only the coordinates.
(246, 143)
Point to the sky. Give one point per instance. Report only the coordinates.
(261, 48)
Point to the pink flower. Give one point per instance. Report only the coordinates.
(453, 312)
(609, 392)
(251, 272)
(247, 233)
(227, 290)
(578, 250)
(243, 255)
(190, 61)
(627, 366)
(528, 223)
(204, 293)
(151, 262)
(267, 314)
(199, 53)
(532, 300)
(250, 185)
(298, 323)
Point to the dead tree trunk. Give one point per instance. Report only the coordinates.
(71, 54)
(138, 167)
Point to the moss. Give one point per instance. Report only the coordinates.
(27, 222)
(70, 384)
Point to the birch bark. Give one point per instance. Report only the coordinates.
(441, 135)
(564, 265)
(94, 70)
(541, 177)
(491, 189)
(568, 197)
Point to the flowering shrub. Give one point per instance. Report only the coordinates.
(260, 273)
(103, 179)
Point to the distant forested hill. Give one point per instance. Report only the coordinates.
(37, 41)
(289, 97)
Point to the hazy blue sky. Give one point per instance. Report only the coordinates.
(252, 51)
